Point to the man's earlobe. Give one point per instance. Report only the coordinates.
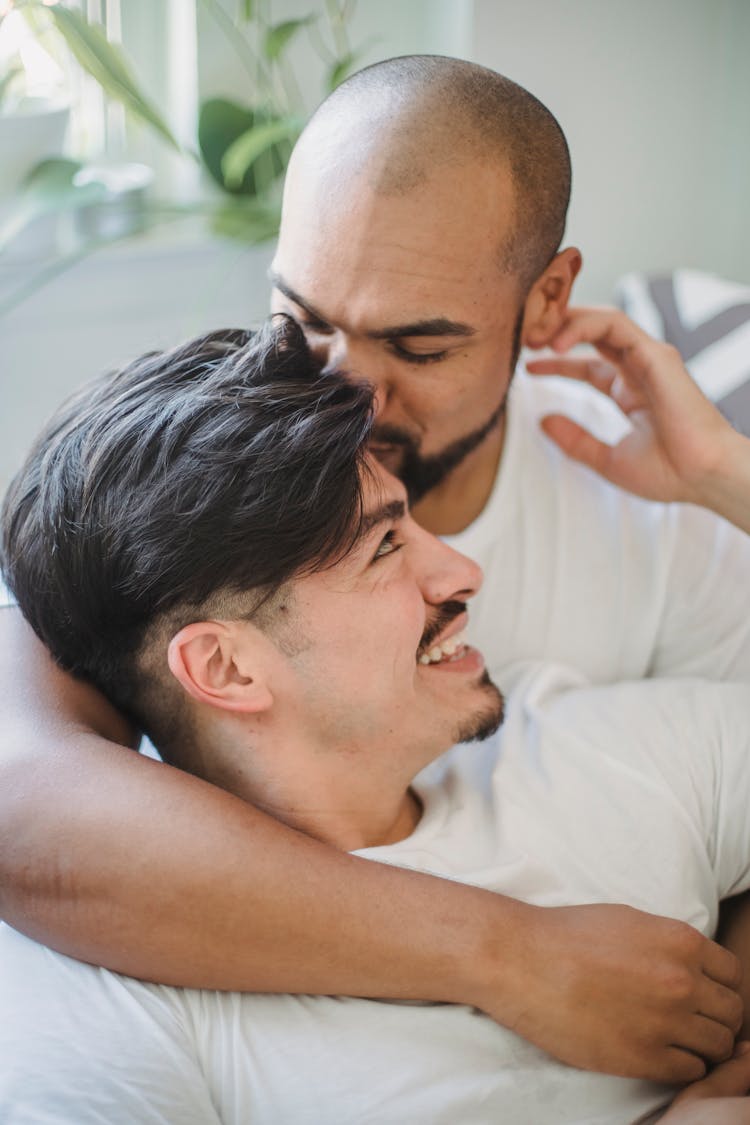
(213, 666)
(547, 302)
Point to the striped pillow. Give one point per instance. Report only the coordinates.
(708, 321)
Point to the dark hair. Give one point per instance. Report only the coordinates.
(218, 470)
(432, 109)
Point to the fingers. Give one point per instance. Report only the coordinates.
(578, 443)
(721, 965)
(595, 372)
(713, 1041)
(643, 361)
(609, 330)
(731, 1078)
(679, 1067)
(722, 1004)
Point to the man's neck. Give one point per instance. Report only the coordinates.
(462, 496)
(348, 828)
(335, 799)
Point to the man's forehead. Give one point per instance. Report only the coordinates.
(383, 495)
(445, 232)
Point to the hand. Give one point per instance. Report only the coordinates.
(679, 441)
(721, 1098)
(612, 989)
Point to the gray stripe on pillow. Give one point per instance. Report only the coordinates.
(690, 341)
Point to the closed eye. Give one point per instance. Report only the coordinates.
(417, 357)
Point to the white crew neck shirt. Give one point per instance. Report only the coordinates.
(633, 793)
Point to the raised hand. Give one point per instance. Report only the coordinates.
(679, 446)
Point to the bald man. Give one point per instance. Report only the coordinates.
(420, 247)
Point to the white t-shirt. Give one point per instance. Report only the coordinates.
(634, 793)
(577, 571)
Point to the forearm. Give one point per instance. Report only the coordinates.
(727, 490)
(40, 703)
(176, 881)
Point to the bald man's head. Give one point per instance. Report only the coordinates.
(401, 123)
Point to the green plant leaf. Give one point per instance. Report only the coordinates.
(48, 189)
(260, 138)
(107, 64)
(246, 10)
(277, 37)
(220, 123)
(246, 221)
(340, 70)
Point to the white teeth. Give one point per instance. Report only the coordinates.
(439, 652)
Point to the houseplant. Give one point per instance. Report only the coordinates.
(244, 145)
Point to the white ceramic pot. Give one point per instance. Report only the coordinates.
(36, 130)
(33, 132)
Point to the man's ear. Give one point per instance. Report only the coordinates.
(547, 302)
(217, 663)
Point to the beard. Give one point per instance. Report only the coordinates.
(486, 720)
(421, 473)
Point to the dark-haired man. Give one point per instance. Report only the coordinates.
(420, 246)
(260, 601)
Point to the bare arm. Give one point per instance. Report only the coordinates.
(126, 862)
(680, 447)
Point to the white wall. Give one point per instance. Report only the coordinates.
(654, 97)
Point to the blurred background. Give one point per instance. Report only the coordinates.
(142, 147)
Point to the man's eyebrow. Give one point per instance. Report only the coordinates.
(386, 513)
(434, 326)
(278, 283)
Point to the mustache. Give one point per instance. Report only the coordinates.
(448, 612)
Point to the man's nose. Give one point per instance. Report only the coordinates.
(447, 574)
(355, 361)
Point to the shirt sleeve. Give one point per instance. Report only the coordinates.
(82, 1046)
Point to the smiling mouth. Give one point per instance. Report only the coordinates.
(446, 652)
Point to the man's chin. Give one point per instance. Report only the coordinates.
(420, 474)
(486, 719)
